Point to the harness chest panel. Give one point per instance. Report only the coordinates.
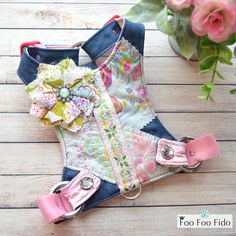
(104, 120)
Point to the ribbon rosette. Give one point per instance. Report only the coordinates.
(58, 101)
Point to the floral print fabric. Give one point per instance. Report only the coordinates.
(123, 78)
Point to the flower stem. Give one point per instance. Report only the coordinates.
(214, 71)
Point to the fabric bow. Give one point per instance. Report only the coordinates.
(59, 99)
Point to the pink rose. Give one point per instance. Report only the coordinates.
(179, 5)
(234, 27)
(214, 18)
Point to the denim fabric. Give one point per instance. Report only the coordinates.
(103, 40)
(95, 46)
(156, 128)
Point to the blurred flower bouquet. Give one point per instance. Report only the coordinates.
(205, 27)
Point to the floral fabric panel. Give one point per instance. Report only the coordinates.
(61, 96)
(145, 148)
(124, 80)
(85, 150)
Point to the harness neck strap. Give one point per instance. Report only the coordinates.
(95, 46)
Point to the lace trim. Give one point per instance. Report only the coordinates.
(114, 141)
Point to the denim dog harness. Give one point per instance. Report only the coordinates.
(111, 139)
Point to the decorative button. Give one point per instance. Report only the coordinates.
(167, 152)
(64, 94)
(86, 183)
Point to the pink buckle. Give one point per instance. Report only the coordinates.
(27, 44)
(189, 154)
(113, 18)
(65, 202)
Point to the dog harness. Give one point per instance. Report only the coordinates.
(95, 97)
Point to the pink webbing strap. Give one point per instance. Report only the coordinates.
(174, 153)
(55, 205)
(201, 149)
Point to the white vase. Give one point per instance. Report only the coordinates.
(177, 51)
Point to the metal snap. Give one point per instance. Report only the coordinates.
(86, 182)
(167, 152)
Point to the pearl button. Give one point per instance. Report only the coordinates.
(64, 93)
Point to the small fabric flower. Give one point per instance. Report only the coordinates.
(57, 102)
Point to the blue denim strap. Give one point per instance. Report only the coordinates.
(105, 38)
(95, 46)
(28, 68)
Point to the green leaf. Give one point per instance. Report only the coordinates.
(206, 43)
(207, 87)
(205, 71)
(145, 11)
(230, 41)
(184, 36)
(207, 63)
(203, 96)
(206, 96)
(225, 55)
(210, 98)
(235, 51)
(205, 52)
(126, 163)
(233, 91)
(220, 75)
(210, 85)
(162, 22)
